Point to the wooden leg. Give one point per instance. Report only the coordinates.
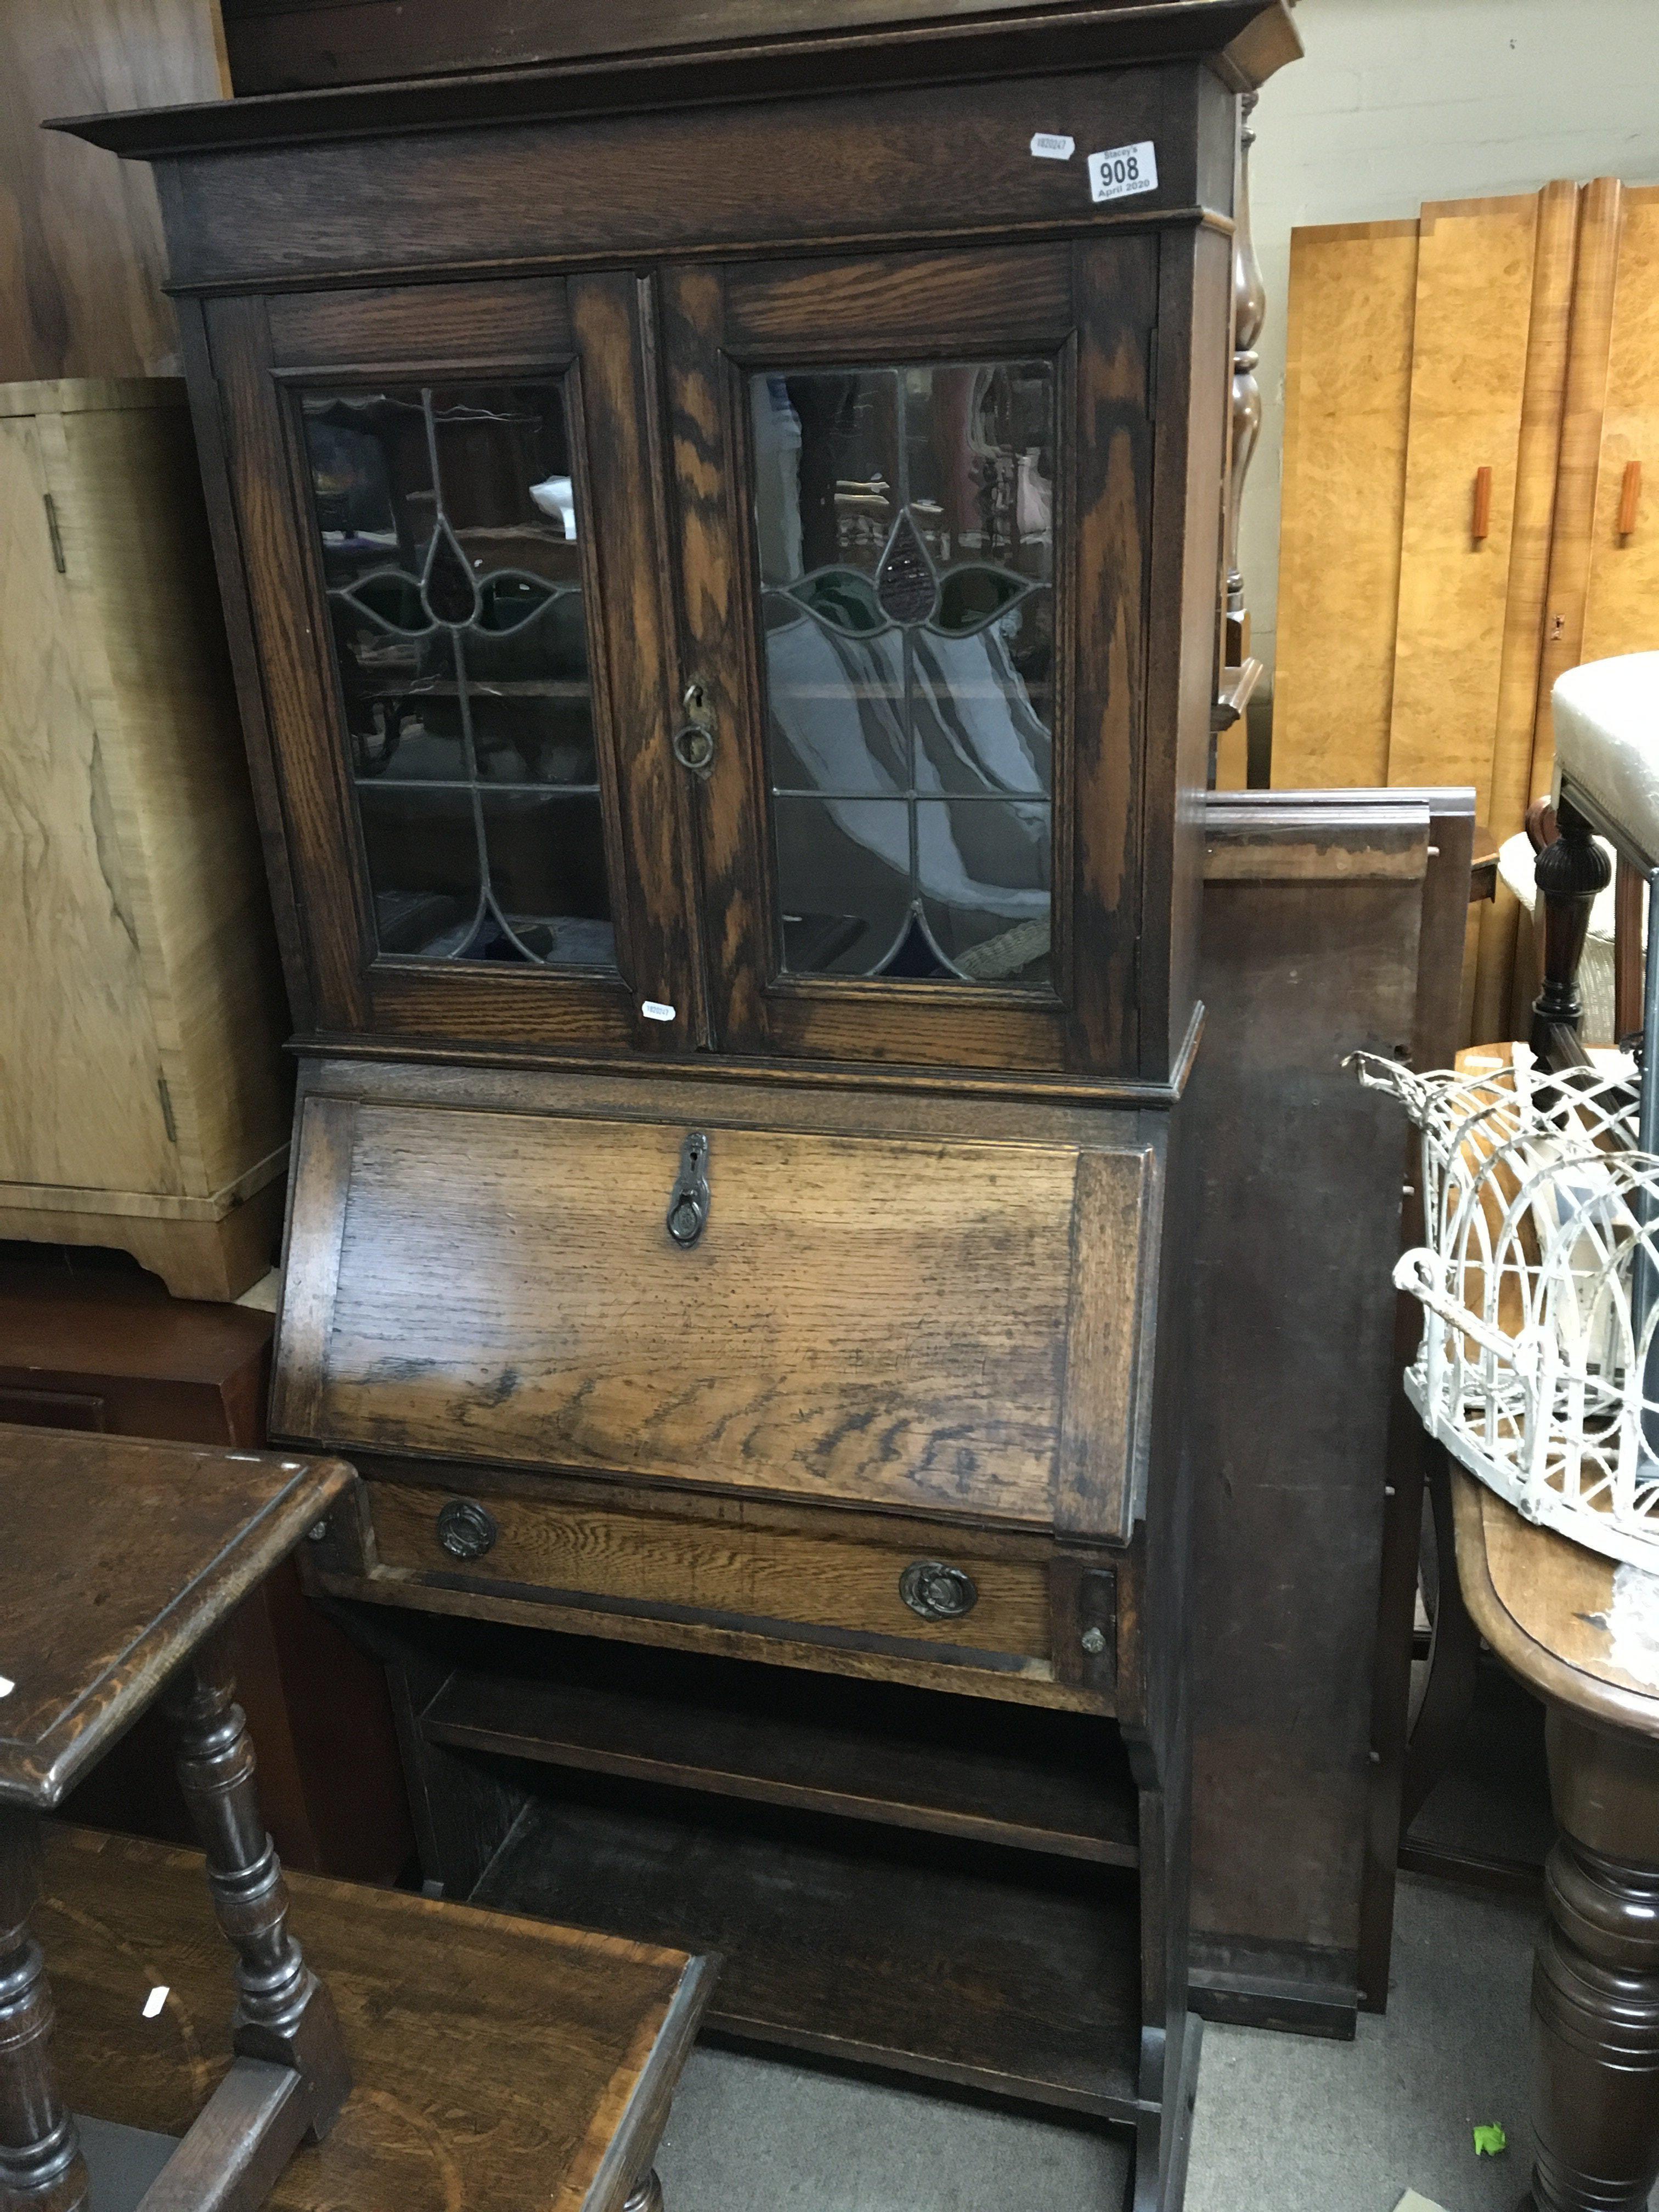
(41, 2168)
(283, 2013)
(1596, 1984)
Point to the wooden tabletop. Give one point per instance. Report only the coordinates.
(1541, 1603)
(498, 2064)
(117, 1559)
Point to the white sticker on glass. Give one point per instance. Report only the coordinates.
(1050, 146)
(654, 1010)
(1124, 171)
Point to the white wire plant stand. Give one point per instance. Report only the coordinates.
(1539, 1284)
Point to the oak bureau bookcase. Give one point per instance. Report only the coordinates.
(722, 544)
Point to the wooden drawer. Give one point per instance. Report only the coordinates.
(912, 1324)
(725, 1570)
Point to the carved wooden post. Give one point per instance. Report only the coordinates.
(1249, 313)
(1569, 874)
(40, 2163)
(283, 2013)
(1595, 1983)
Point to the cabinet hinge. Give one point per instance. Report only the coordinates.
(57, 560)
(166, 1109)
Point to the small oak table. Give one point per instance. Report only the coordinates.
(1541, 1604)
(498, 2064)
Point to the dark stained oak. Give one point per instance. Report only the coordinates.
(873, 1321)
(944, 1961)
(501, 2065)
(166, 1540)
(1542, 1603)
(932, 1331)
(1330, 924)
(97, 1350)
(276, 46)
(1020, 1781)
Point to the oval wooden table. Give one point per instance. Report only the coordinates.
(1542, 1604)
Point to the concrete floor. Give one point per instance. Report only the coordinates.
(1284, 2123)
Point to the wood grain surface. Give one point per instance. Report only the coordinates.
(1583, 410)
(1538, 457)
(876, 1319)
(1348, 409)
(82, 1105)
(1622, 610)
(142, 1010)
(1030, 1781)
(1474, 286)
(1541, 1602)
(117, 1557)
(725, 1568)
(952, 1962)
(274, 47)
(80, 293)
(496, 2061)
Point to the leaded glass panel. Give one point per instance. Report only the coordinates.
(904, 522)
(447, 522)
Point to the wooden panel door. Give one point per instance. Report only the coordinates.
(84, 1102)
(914, 516)
(1622, 608)
(1347, 412)
(449, 518)
(933, 1323)
(1474, 313)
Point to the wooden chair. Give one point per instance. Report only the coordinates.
(418, 2056)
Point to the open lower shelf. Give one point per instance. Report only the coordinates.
(983, 1968)
(1030, 1781)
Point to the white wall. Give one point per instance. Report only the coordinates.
(1400, 102)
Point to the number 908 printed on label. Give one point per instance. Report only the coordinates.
(1123, 172)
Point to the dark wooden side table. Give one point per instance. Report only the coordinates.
(109, 1597)
(106, 1350)
(1541, 1603)
(427, 2058)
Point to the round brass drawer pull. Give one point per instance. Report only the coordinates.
(465, 1529)
(937, 1592)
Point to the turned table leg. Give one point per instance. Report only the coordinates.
(1595, 1983)
(41, 2167)
(283, 2013)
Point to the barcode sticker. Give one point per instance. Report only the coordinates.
(1124, 171)
(1050, 145)
(656, 1010)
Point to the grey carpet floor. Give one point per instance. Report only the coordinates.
(1284, 2123)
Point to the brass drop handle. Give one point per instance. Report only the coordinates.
(694, 742)
(688, 1202)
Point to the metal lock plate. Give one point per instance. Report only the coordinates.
(688, 1202)
(465, 1530)
(937, 1592)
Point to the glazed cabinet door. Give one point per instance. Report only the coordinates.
(914, 510)
(449, 511)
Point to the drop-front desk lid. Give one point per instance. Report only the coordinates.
(870, 1315)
